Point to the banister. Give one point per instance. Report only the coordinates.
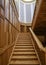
(38, 41)
(2, 7)
(2, 50)
(9, 22)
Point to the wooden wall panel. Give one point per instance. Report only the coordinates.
(0, 60)
(8, 31)
(39, 23)
(39, 20)
(2, 33)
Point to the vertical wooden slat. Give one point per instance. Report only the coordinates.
(2, 33)
(8, 34)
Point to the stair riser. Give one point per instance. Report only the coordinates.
(24, 42)
(23, 54)
(23, 64)
(24, 59)
(24, 48)
(24, 51)
(23, 45)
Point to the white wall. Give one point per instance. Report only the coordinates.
(25, 10)
(17, 4)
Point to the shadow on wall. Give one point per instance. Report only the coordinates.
(43, 40)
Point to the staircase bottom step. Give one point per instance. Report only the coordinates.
(18, 62)
(24, 57)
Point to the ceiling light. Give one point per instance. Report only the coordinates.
(28, 0)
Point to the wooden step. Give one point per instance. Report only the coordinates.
(24, 41)
(24, 53)
(21, 50)
(24, 47)
(24, 57)
(24, 38)
(26, 62)
(24, 44)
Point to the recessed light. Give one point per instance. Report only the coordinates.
(28, 0)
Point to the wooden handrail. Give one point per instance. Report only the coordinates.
(37, 41)
(2, 7)
(2, 50)
(9, 22)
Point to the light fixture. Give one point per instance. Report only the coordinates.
(28, 0)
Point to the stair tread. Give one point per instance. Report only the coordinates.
(24, 62)
(24, 40)
(27, 47)
(24, 53)
(24, 44)
(24, 50)
(24, 57)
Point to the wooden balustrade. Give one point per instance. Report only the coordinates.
(40, 50)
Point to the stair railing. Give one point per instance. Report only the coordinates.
(41, 51)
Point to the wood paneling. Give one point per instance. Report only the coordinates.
(39, 23)
(39, 20)
(8, 31)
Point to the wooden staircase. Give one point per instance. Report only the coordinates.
(23, 52)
